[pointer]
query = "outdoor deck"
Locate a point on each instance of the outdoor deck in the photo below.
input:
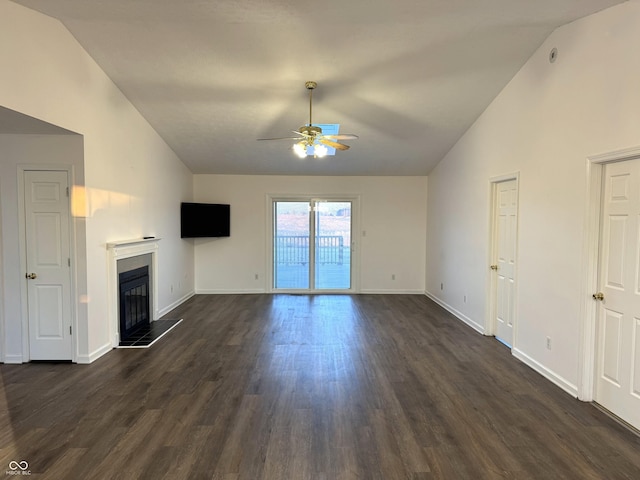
(291, 265)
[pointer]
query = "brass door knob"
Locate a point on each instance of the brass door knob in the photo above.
(598, 296)
(31, 276)
(494, 267)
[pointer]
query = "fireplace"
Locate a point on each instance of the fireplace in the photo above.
(134, 301)
(133, 294)
(126, 256)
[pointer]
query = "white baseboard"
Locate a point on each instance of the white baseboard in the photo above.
(229, 292)
(459, 315)
(13, 359)
(565, 385)
(373, 291)
(96, 354)
(262, 290)
(175, 304)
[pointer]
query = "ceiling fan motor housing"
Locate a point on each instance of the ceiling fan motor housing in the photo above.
(310, 130)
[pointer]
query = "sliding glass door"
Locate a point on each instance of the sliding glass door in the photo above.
(312, 245)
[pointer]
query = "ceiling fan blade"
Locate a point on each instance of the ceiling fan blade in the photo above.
(279, 138)
(336, 145)
(342, 136)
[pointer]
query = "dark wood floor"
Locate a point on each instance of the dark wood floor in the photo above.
(307, 387)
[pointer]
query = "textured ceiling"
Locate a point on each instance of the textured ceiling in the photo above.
(408, 76)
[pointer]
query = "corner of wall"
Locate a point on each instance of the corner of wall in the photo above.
(96, 354)
(459, 315)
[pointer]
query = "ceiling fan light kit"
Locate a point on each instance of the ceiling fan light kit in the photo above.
(310, 137)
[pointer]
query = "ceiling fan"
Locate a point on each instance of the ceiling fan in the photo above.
(310, 135)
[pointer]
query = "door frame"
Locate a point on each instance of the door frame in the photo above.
(2, 283)
(355, 228)
(590, 267)
(491, 326)
(26, 350)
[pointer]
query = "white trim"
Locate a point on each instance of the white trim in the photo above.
(520, 355)
(13, 359)
(132, 243)
(96, 354)
(505, 178)
(459, 315)
(126, 249)
(69, 169)
(564, 384)
(590, 261)
(3, 346)
(163, 311)
(373, 291)
(622, 155)
(220, 291)
(490, 312)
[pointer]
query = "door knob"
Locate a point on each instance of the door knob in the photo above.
(598, 296)
(494, 267)
(31, 276)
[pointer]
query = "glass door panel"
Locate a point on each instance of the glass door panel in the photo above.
(332, 262)
(291, 265)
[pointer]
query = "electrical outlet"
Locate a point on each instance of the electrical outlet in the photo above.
(393, 276)
(442, 286)
(257, 276)
(548, 343)
(465, 299)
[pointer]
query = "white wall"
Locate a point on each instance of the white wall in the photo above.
(134, 181)
(392, 212)
(544, 124)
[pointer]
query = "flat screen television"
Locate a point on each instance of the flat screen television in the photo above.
(199, 220)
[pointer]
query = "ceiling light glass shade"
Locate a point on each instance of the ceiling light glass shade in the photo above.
(300, 149)
(320, 150)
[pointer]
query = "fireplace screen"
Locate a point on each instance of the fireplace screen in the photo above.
(134, 300)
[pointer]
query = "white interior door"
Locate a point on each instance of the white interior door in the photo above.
(505, 241)
(48, 274)
(618, 329)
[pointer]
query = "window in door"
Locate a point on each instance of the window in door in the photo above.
(312, 245)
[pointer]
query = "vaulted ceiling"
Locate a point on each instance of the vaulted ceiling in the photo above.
(407, 76)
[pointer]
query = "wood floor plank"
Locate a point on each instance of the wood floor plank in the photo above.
(279, 387)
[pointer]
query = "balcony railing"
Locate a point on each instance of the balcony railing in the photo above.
(294, 250)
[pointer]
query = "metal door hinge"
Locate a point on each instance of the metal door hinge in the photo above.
(70, 330)
(67, 191)
(69, 262)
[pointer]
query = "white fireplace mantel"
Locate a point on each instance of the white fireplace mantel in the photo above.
(127, 249)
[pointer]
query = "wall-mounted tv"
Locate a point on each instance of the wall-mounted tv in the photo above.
(199, 220)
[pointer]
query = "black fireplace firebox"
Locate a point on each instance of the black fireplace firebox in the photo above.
(134, 301)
